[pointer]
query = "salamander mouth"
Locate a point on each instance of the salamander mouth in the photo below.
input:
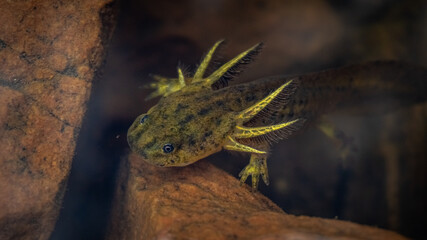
(177, 163)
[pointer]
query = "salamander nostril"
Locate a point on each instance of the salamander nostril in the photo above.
(143, 119)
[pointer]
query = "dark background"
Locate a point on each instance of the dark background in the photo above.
(381, 184)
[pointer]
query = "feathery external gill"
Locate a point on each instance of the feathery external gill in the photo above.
(198, 76)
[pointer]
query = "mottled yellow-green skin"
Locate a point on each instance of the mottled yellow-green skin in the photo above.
(198, 119)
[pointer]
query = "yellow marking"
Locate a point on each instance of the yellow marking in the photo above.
(198, 76)
(256, 108)
(181, 78)
(235, 146)
(224, 68)
(248, 132)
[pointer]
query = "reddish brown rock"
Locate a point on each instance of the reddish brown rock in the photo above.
(49, 52)
(203, 202)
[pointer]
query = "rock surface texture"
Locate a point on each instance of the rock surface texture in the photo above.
(49, 54)
(203, 202)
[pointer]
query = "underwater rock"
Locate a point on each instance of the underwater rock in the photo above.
(49, 53)
(201, 201)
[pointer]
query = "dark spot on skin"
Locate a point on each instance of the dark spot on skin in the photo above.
(178, 146)
(136, 136)
(179, 107)
(291, 114)
(207, 134)
(250, 98)
(186, 120)
(150, 144)
(218, 122)
(2, 44)
(192, 142)
(172, 161)
(219, 103)
(204, 111)
(201, 148)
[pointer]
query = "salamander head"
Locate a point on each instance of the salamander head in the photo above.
(194, 118)
(176, 134)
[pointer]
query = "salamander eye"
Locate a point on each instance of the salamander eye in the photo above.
(143, 119)
(168, 148)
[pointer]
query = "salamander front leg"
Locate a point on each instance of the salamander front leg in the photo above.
(257, 166)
